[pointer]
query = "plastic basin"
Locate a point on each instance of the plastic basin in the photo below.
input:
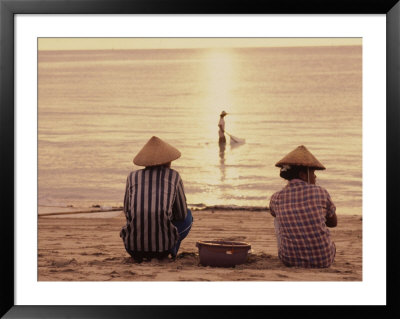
(222, 253)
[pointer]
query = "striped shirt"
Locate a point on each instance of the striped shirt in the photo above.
(154, 197)
(301, 210)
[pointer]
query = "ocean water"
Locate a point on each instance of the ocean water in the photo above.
(96, 109)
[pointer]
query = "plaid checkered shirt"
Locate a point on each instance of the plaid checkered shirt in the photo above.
(301, 210)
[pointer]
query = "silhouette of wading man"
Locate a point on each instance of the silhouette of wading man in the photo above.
(221, 125)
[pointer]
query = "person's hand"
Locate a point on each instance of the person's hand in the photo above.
(331, 221)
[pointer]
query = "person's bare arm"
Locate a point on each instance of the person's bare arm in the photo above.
(331, 221)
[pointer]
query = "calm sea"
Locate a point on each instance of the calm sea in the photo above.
(98, 108)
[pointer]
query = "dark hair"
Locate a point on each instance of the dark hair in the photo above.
(167, 165)
(292, 172)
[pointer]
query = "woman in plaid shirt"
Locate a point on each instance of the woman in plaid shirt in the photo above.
(303, 212)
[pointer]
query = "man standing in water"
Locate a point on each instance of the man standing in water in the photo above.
(302, 212)
(157, 217)
(221, 125)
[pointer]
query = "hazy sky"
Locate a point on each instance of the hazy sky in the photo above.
(169, 43)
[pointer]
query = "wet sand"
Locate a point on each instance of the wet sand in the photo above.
(90, 249)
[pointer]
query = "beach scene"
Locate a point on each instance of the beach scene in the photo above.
(101, 100)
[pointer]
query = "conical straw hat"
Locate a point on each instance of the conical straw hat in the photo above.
(301, 156)
(156, 152)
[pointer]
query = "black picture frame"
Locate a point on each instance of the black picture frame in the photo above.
(8, 10)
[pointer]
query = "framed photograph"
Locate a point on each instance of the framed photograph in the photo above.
(84, 83)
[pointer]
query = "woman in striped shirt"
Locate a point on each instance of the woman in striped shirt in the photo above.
(157, 217)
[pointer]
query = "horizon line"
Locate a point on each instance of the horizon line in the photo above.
(204, 48)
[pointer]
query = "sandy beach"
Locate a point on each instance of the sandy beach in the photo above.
(90, 249)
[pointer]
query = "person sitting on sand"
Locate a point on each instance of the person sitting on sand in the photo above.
(221, 125)
(157, 217)
(302, 212)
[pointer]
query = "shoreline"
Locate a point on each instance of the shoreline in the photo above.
(71, 210)
(90, 249)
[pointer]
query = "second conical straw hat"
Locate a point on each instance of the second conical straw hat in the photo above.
(156, 152)
(300, 156)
